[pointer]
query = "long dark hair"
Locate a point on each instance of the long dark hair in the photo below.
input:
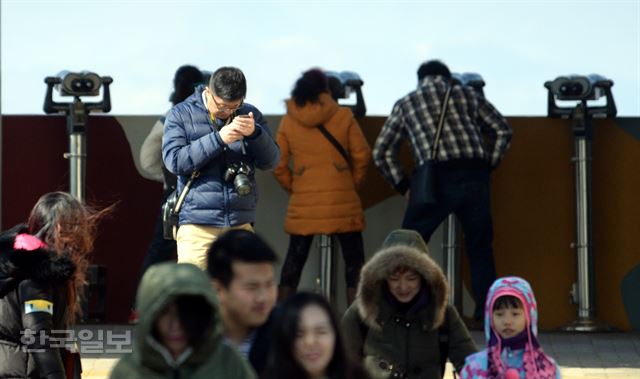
(282, 363)
(68, 227)
(309, 87)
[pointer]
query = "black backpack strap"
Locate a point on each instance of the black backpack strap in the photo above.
(443, 341)
(335, 143)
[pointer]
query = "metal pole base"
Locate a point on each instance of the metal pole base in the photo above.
(588, 326)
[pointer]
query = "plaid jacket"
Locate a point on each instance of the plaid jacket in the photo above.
(473, 129)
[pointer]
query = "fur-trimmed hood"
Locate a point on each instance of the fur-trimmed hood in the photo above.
(19, 263)
(370, 299)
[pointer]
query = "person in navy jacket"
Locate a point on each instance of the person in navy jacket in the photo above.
(223, 140)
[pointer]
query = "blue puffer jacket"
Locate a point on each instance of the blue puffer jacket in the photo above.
(191, 142)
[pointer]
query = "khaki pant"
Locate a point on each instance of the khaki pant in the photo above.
(194, 241)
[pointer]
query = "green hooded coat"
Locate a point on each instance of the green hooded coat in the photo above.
(212, 359)
(393, 344)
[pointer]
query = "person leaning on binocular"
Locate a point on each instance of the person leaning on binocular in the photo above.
(224, 139)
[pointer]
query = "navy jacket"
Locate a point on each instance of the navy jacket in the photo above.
(191, 142)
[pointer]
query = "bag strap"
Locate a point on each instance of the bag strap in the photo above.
(335, 143)
(443, 113)
(184, 192)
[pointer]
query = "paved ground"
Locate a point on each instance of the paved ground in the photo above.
(611, 355)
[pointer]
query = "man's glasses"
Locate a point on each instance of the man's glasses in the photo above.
(223, 107)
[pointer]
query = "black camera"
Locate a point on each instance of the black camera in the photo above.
(238, 174)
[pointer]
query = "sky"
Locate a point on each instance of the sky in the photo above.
(515, 45)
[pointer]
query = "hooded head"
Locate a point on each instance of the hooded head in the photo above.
(402, 249)
(406, 237)
(184, 291)
(518, 288)
(535, 363)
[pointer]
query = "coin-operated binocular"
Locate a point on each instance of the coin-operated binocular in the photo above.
(342, 85)
(77, 85)
(581, 90)
(471, 79)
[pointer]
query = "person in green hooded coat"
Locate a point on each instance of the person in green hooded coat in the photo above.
(179, 333)
(401, 324)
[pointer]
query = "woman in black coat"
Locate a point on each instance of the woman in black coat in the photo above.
(42, 272)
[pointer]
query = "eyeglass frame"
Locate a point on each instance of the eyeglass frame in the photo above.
(220, 108)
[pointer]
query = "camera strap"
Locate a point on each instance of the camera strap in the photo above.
(184, 192)
(335, 143)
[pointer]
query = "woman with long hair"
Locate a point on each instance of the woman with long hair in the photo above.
(308, 342)
(322, 180)
(43, 266)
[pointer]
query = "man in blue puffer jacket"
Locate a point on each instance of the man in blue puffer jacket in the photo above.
(215, 133)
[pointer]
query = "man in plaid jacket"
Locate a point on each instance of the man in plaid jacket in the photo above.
(474, 139)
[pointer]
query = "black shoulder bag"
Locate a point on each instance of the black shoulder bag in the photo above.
(335, 143)
(171, 209)
(423, 181)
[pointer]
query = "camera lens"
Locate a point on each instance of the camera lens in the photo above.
(242, 184)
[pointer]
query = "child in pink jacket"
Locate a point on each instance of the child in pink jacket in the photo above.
(511, 329)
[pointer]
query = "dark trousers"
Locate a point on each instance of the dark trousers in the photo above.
(160, 249)
(352, 252)
(466, 193)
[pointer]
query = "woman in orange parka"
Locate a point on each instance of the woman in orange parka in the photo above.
(321, 183)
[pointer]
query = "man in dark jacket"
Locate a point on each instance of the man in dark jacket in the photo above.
(218, 140)
(240, 264)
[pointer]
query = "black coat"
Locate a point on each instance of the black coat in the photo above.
(33, 302)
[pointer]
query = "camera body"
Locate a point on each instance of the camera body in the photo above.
(238, 174)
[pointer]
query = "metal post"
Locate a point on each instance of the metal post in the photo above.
(77, 156)
(583, 292)
(325, 265)
(584, 245)
(450, 248)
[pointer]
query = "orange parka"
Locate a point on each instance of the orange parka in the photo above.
(323, 189)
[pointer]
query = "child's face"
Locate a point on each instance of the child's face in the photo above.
(509, 321)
